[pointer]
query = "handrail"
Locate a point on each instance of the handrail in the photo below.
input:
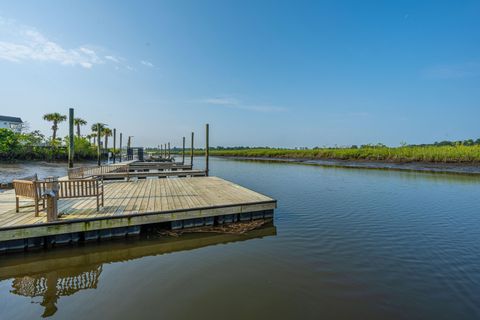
(91, 171)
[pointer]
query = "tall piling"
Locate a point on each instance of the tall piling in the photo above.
(207, 147)
(183, 150)
(191, 151)
(114, 144)
(99, 160)
(71, 141)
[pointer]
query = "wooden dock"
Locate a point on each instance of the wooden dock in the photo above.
(181, 202)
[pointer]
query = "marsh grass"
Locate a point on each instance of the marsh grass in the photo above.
(445, 154)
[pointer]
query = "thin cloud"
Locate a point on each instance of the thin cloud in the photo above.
(229, 102)
(113, 59)
(147, 63)
(22, 43)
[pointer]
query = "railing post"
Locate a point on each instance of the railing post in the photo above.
(191, 151)
(169, 150)
(206, 149)
(183, 151)
(71, 143)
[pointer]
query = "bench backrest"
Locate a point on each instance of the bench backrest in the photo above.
(67, 188)
(26, 188)
(74, 188)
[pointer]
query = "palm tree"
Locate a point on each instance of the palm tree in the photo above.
(107, 132)
(56, 118)
(79, 122)
(95, 128)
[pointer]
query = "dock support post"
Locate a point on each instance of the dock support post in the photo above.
(169, 150)
(183, 151)
(206, 148)
(121, 136)
(71, 143)
(114, 144)
(191, 152)
(98, 145)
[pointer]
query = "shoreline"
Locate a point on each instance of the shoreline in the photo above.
(429, 167)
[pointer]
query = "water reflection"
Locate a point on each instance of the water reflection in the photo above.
(62, 272)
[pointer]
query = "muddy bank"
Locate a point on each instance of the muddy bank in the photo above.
(454, 168)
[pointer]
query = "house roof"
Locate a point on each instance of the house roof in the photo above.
(11, 119)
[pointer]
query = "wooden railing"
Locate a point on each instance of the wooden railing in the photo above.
(92, 171)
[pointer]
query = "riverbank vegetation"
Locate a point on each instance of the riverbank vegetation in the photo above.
(467, 151)
(34, 145)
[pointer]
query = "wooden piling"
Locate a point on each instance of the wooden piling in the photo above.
(191, 151)
(207, 147)
(121, 136)
(114, 144)
(71, 143)
(183, 150)
(98, 145)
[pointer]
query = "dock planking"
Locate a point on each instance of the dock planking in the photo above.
(134, 203)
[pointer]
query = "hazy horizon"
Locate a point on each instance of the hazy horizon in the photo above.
(275, 73)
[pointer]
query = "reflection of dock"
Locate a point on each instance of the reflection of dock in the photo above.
(54, 274)
(181, 202)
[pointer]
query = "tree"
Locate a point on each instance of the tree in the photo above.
(8, 141)
(95, 128)
(79, 122)
(56, 118)
(107, 132)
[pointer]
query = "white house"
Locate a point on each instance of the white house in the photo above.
(12, 123)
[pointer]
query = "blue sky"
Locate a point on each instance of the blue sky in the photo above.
(277, 73)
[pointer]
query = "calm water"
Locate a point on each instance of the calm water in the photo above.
(10, 171)
(346, 244)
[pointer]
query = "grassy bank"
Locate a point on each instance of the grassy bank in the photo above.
(439, 154)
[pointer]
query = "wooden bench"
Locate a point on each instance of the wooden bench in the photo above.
(27, 188)
(34, 189)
